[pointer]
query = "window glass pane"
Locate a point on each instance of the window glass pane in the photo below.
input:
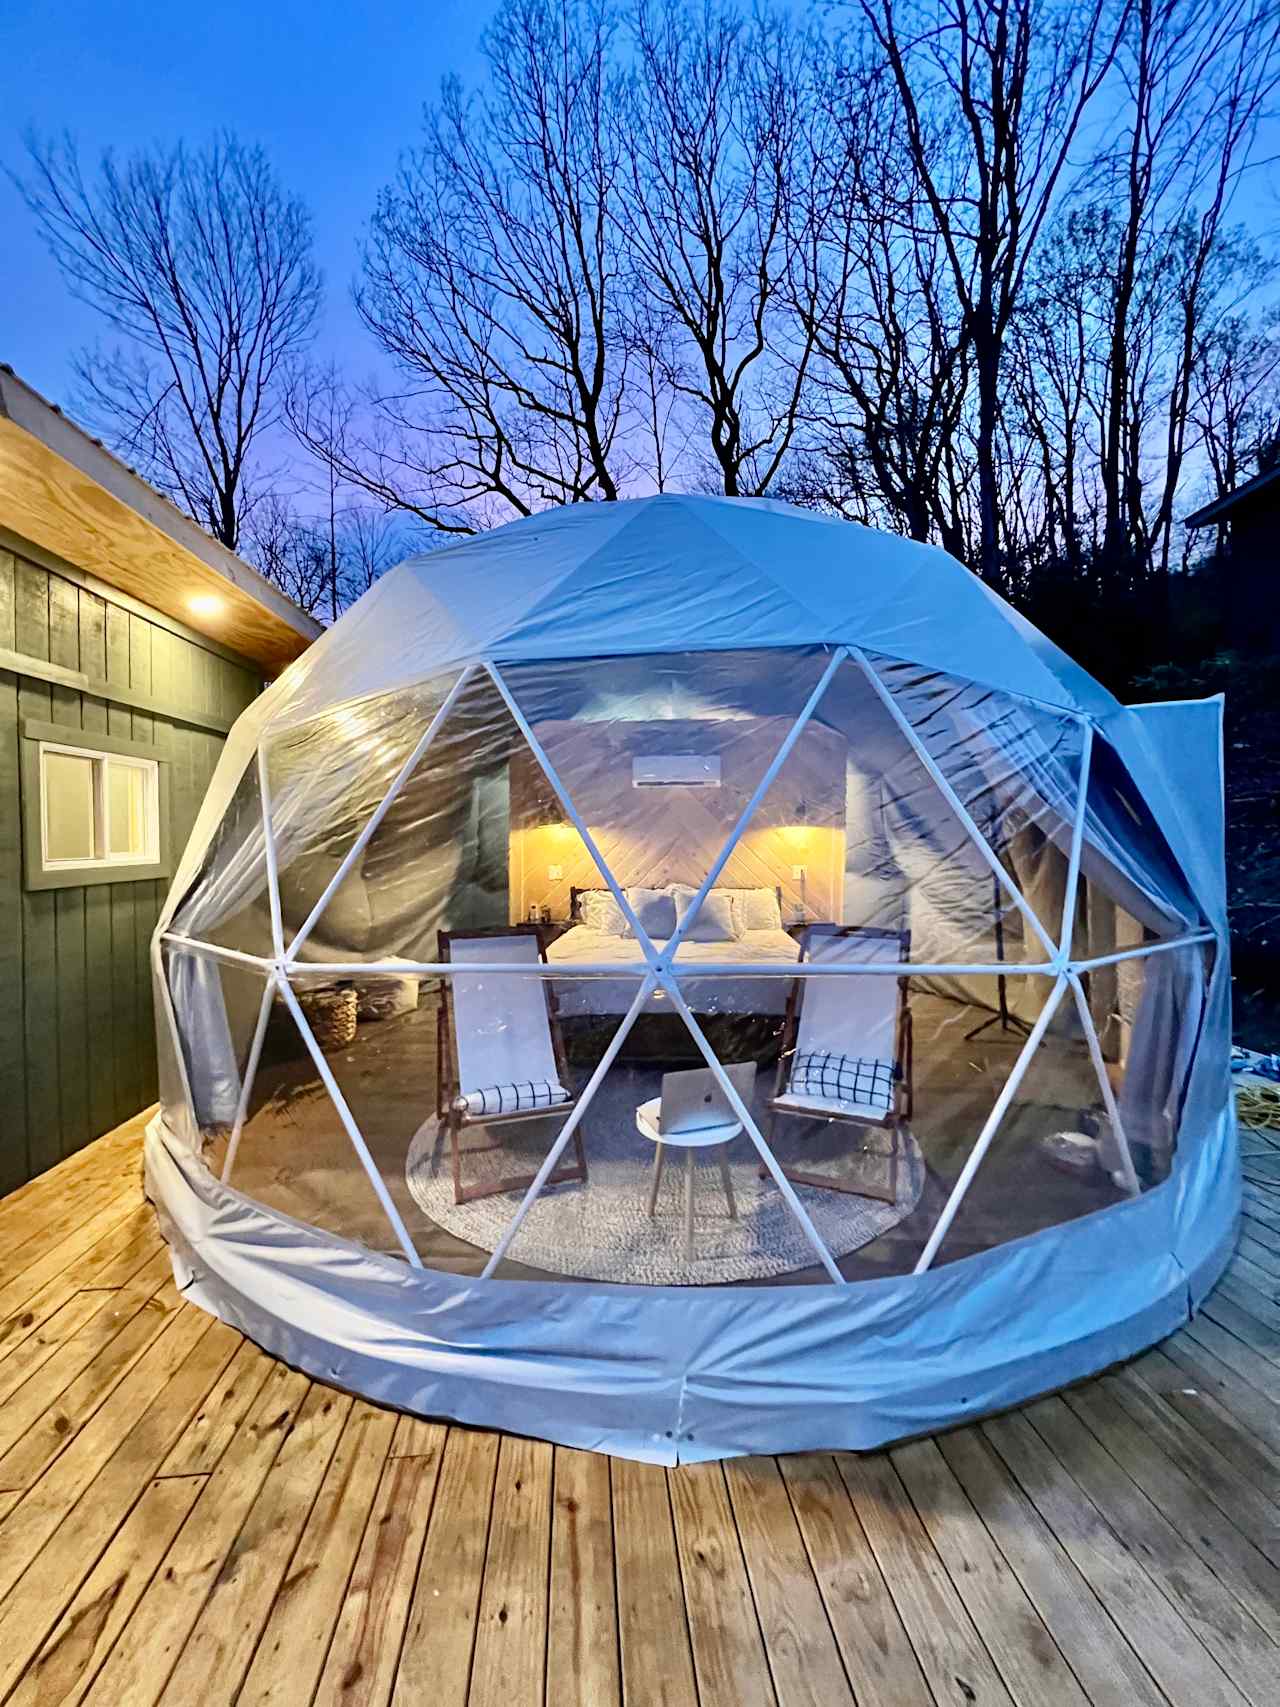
(127, 810)
(68, 806)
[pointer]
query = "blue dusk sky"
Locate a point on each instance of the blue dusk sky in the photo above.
(331, 91)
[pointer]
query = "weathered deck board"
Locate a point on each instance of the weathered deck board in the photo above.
(435, 1660)
(91, 1625)
(657, 1663)
(951, 1652)
(801, 1649)
(582, 1634)
(183, 1520)
(364, 1654)
(1033, 1667)
(294, 1642)
(728, 1647)
(878, 1657)
(221, 1645)
(139, 1664)
(1108, 1669)
(509, 1663)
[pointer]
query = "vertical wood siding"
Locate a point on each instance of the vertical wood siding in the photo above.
(77, 1039)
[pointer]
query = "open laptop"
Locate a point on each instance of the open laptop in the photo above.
(694, 1100)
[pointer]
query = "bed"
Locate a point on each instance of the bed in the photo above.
(742, 1016)
(579, 946)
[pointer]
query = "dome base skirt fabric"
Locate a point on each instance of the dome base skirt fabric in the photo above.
(684, 1374)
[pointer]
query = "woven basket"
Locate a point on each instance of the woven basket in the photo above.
(331, 1013)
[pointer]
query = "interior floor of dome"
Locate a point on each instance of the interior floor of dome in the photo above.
(296, 1157)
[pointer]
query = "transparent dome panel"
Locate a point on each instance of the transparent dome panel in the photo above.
(875, 1086)
(294, 1152)
(1017, 768)
(1047, 1157)
(823, 1064)
(871, 1087)
(674, 1194)
(1131, 891)
(444, 855)
(458, 1087)
(327, 778)
(1147, 1014)
(1090, 1112)
(228, 903)
(660, 756)
(217, 1008)
(855, 830)
(1009, 774)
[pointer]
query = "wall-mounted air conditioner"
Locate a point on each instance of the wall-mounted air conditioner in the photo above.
(681, 770)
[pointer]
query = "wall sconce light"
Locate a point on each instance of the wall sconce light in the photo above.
(797, 834)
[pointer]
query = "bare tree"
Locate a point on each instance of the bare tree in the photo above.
(292, 552)
(491, 279)
(992, 95)
(1235, 399)
(320, 408)
(323, 564)
(1198, 77)
(711, 130)
(888, 389)
(1056, 346)
(1148, 279)
(201, 264)
(370, 542)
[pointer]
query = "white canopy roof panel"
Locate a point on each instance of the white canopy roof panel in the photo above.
(681, 573)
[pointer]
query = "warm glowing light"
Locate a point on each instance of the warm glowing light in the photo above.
(206, 604)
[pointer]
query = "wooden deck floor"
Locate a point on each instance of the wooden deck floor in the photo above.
(183, 1520)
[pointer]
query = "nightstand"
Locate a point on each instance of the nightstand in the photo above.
(555, 929)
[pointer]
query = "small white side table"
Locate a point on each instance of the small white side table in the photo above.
(647, 1118)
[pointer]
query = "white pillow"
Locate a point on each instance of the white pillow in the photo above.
(715, 921)
(656, 911)
(685, 892)
(758, 909)
(598, 911)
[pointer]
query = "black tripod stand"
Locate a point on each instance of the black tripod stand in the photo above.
(1001, 1017)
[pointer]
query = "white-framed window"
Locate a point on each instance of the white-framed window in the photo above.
(97, 809)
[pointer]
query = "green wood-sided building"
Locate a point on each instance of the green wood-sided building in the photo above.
(129, 643)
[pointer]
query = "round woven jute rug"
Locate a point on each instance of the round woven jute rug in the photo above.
(601, 1230)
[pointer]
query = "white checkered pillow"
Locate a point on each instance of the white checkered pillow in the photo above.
(848, 1079)
(512, 1099)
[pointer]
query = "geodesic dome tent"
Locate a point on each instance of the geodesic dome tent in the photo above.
(555, 818)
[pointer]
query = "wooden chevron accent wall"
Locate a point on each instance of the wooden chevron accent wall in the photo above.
(671, 834)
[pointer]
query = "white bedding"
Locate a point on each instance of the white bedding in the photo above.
(721, 995)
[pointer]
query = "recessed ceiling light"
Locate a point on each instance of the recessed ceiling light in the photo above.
(206, 604)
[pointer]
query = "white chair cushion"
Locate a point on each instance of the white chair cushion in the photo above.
(852, 1082)
(512, 1099)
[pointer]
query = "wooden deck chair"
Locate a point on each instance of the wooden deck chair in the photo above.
(846, 1048)
(501, 1056)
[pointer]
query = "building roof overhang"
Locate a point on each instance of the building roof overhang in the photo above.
(66, 494)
